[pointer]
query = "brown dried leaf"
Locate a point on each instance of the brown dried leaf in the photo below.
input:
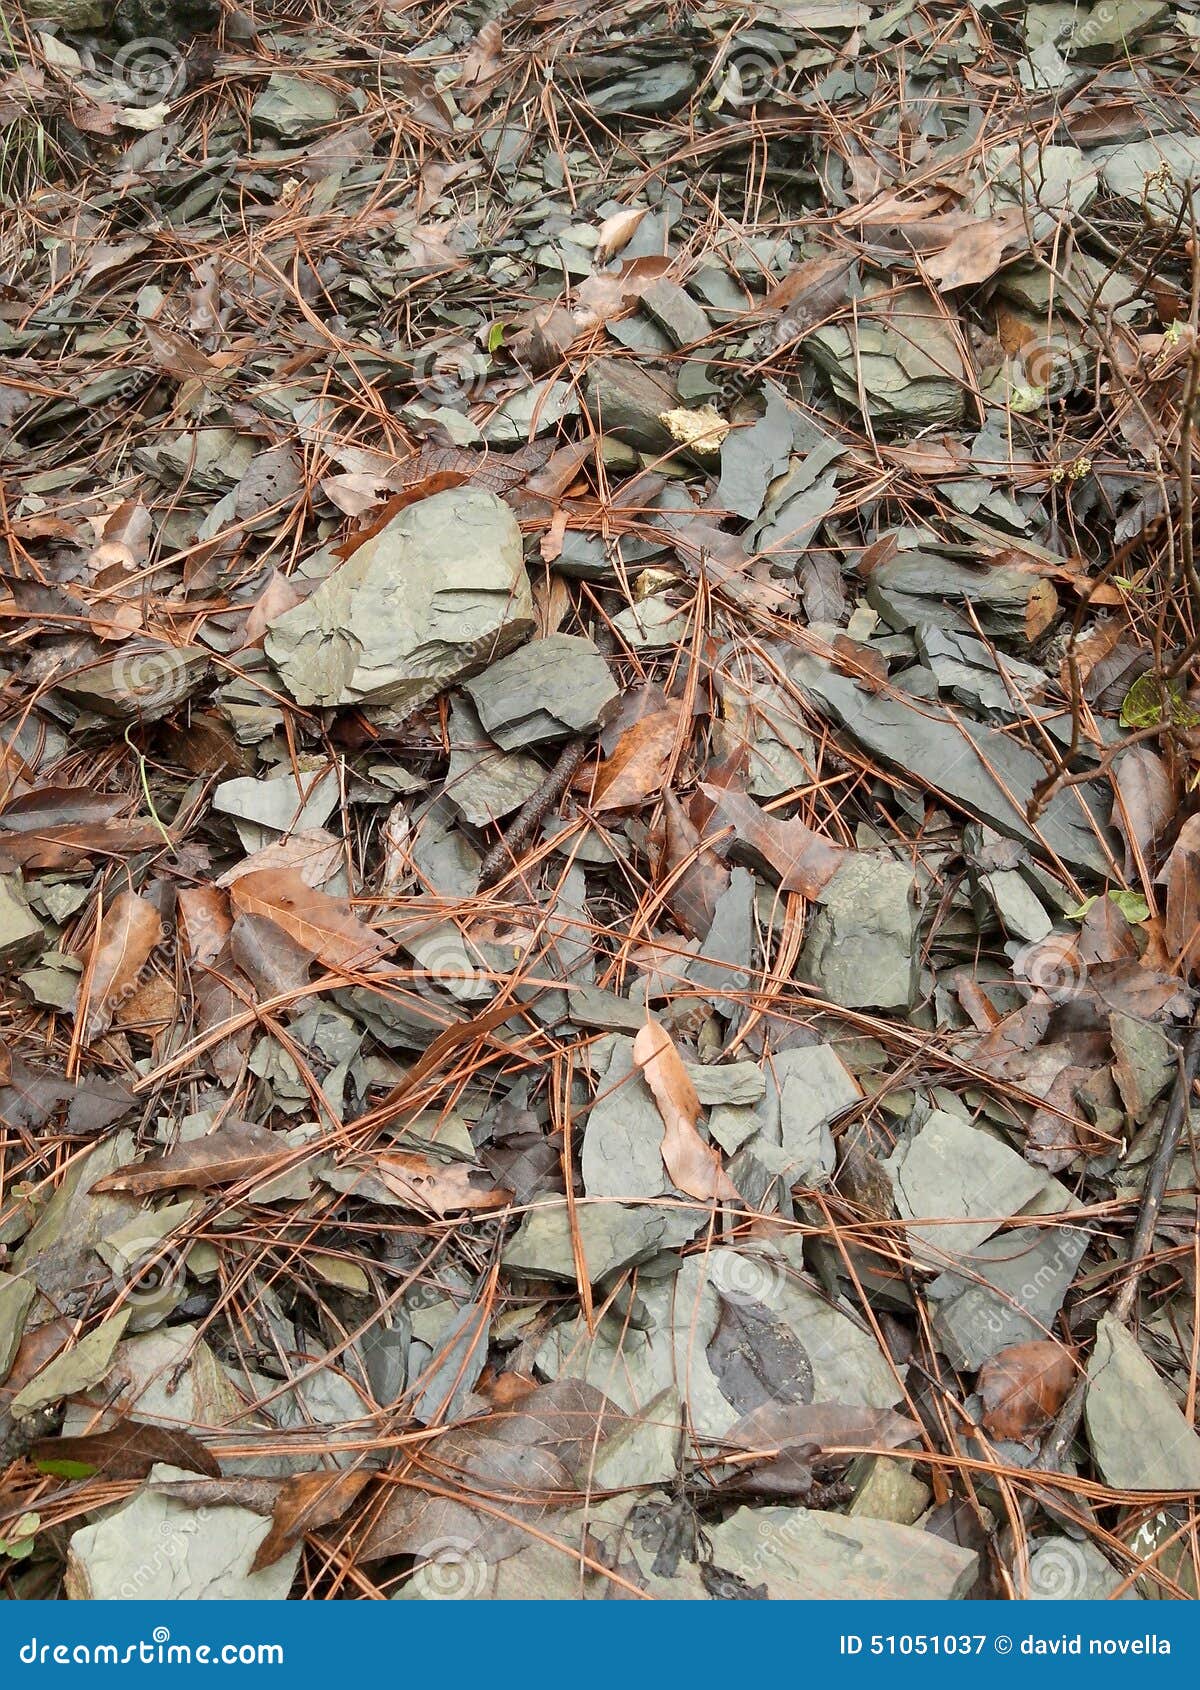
(802, 860)
(443, 1188)
(129, 1450)
(701, 876)
(1182, 877)
(617, 231)
(235, 1151)
(325, 927)
(972, 255)
(1023, 1387)
(1145, 803)
(306, 1502)
(129, 931)
(693, 1165)
(641, 758)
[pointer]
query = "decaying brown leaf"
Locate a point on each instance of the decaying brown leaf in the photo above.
(128, 1450)
(801, 860)
(640, 759)
(439, 1188)
(234, 1151)
(694, 1166)
(307, 1502)
(325, 927)
(129, 932)
(1023, 1388)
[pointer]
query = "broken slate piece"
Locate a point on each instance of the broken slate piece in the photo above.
(154, 1548)
(292, 108)
(1140, 1438)
(74, 1370)
(549, 689)
(483, 782)
(805, 1555)
(1063, 1569)
(1009, 1292)
(613, 1236)
(675, 311)
(861, 948)
(629, 403)
(437, 594)
(15, 1297)
(281, 803)
(913, 590)
(622, 1141)
(21, 933)
(980, 768)
(724, 963)
(960, 1179)
(814, 1089)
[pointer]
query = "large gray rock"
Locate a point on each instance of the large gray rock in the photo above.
(862, 939)
(436, 595)
(1140, 1437)
(156, 1548)
(550, 689)
(804, 1555)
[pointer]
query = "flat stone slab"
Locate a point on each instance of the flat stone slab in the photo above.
(550, 689)
(436, 595)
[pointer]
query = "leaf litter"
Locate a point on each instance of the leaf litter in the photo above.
(598, 868)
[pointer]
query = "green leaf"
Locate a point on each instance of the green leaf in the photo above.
(1131, 905)
(495, 336)
(66, 1469)
(20, 1544)
(1143, 705)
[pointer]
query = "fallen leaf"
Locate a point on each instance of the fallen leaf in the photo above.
(443, 1188)
(306, 1502)
(617, 231)
(1023, 1387)
(127, 1450)
(234, 1151)
(693, 1165)
(130, 930)
(325, 927)
(697, 875)
(973, 255)
(802, 860)
(1145, 803)
(634, 774)
(1182, 877)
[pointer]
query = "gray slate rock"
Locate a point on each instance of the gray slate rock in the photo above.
(627, 402)
(1140, 1437)
(952, 755)
(622, 1141)
(292, 108)
(861, 948)
(1009, 1292)
(21, 933)
(613, 1235)
(805, 1555)
(155, 1549)
(483, 782)
(549, 689)
(814, 1088)
(437, 595)
(1063, 1570)
(962, 1180)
